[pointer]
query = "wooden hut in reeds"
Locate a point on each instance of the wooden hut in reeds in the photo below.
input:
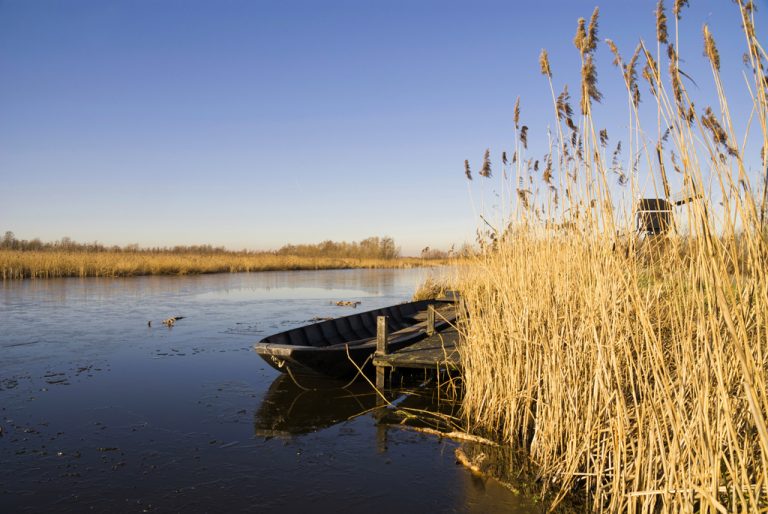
(654, 216)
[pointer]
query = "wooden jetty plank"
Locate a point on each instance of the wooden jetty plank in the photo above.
(435, 352)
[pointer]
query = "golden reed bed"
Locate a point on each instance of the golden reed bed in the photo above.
(634, 372)
(51, 264)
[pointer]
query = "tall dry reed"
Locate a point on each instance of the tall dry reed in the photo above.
(632, 369)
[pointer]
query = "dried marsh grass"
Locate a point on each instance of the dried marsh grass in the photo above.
(51, 264)
(633, 371)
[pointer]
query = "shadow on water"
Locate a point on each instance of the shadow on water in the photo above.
(299, 405)
(296, 405)
(307, 404)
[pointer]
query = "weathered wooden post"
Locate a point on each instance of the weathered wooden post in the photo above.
(382, 339)
(430, 320)
(461, 311)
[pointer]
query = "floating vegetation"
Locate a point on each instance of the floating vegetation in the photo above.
(347, 303)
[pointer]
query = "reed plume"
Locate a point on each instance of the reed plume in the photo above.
(651, 74)
(467, 171)
(603, 134)
(690, 114)
(719, 136)
(522, 195)
(710, 49)
(675, 165)
(591, 39)
(678, 7)
(589, 90)
(674, 77)
(485, 171)
(630, 76)
(563, 107)
(614, 51)
(580, 39)
(661, 23)
(748, 25)
(544, 63)
(615, 165)
(517, 112)
(547, 175)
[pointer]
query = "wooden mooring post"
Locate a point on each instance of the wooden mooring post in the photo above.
(382, 339)
(430, 320)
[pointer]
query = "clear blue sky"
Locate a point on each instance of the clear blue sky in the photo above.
(251, 124)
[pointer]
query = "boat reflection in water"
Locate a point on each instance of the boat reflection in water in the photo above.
(292, 409)
(307, 404)
(295, 405)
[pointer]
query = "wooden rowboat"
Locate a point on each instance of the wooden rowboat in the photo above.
(326, 348)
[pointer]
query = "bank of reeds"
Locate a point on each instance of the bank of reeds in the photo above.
(52, 264)
(632, 369)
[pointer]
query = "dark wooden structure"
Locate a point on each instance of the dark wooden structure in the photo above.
(337, 347)
(436, 352)
(654, 216)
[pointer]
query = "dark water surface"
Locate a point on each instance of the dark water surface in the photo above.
(101, 412)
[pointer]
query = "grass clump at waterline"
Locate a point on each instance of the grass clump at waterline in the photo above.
(633, 371)
(432, 288)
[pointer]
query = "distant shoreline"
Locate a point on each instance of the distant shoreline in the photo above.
(18, 265)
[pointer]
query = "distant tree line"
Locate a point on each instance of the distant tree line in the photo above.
(10, 242)
(370, 248)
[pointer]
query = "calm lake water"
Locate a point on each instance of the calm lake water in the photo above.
(101, 412)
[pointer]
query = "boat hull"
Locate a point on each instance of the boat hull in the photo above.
(339, 347)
